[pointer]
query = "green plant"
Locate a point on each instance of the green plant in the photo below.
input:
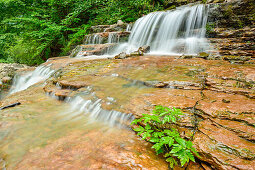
(210, 27)
(166, 141)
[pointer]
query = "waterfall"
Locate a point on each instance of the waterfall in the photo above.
(113, 37)
(94, 39)
(22, 82)
(94, 111)
(180, 31)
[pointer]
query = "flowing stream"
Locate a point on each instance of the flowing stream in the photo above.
(22, 82)
(94, 136)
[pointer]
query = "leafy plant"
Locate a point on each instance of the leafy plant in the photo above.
(166, 141)
(31, 31)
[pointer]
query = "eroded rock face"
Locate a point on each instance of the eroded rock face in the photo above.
(86, 50)
(107, 37)
(231, 29)
(8, 71)
(216, 96)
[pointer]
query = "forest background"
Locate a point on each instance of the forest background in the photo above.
(31, 31)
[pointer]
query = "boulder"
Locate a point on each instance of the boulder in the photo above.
(144, 49)
(122, 55)
(120, 22)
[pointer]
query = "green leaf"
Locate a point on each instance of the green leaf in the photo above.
(170, 142)
(154, 140)
(189, 144)
(161, 150)
(157, 134)
(167, 140)
(181, 141)
(191, 156)
(146, 135)
(157, 146)
(147, 127)
(167, 154)
(155, 118)
(171, 161)
(164, 113)
(136, 121)
(195, 152)
(139, 129)
(176, 148)
(183, 161)
(166, 119)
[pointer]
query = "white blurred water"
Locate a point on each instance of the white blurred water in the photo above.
(180, 31)
(22, 82)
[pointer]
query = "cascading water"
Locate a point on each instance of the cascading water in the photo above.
(93, 39)
(180, 31)
(91, 106)
(22, 82)
(95, 112)
(113, 38)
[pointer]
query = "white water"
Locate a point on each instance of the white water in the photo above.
(113, 37)
(176, 32)
(92, 109)
(94, 39)
(129, 27)
(95, 112)
(180, 31)
(22, 82)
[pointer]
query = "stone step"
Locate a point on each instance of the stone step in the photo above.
(232, 33)
(95, 49)
(107, 37)
(237, 52)
(120, 26)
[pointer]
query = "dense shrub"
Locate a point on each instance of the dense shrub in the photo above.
(31, 31)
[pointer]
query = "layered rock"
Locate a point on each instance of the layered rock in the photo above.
(8, 71)
(106, 37)
(87, 50)
(120, 26)
(216, 96)
(231, 28)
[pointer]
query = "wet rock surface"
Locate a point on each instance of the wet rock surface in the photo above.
(231, 29)
(215, 91)
(216, 96)
(8, 71)
(87, 50)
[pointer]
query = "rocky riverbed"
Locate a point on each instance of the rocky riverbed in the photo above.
(215, 90)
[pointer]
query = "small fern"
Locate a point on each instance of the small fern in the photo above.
(166, 141)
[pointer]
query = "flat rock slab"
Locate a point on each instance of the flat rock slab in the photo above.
(215, 95)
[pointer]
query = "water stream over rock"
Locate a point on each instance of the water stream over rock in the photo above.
(180, 31)
(22, 82)
(82, 122)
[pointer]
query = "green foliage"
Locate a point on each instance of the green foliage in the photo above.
(204, 1)
(166, 141)
(210, 27)
(31, 31)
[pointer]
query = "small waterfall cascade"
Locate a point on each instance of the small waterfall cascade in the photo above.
(180, 31)
(22, 82)
(113, 37)
(129, 27)
(94, 39)
(86, 103)
(95, 112)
